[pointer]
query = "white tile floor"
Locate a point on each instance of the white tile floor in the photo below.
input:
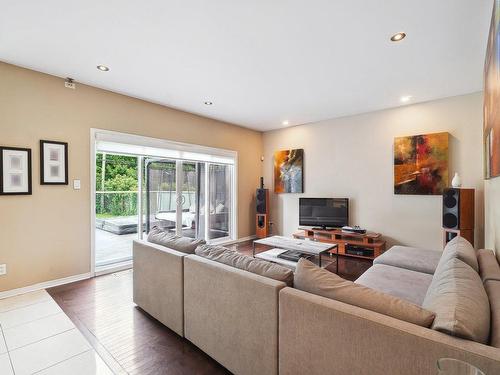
(36, 337)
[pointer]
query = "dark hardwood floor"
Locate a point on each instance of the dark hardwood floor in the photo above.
(131, 341)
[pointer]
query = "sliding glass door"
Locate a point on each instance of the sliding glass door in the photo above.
(177, 198)
(142, 182)
(161, 194)
(116, 211)
(219, 181)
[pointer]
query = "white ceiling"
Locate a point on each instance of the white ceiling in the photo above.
(261, 61)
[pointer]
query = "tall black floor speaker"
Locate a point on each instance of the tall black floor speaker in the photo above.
(458, 214)
(262, 209)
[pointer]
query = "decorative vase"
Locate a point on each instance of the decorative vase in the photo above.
(456, 182)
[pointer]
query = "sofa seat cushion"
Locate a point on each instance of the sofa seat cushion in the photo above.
(489, 269)
(316, 280)
(162, 237)
(493, 291)
(460, 302)
(411, 258)
(244, 262)
(398, 282)
(462, 249)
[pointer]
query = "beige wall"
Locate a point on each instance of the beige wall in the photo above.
(352, 157)
(492, 214)
(46, 236)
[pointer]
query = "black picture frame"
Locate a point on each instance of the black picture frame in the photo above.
(42, 162)
(30, 182)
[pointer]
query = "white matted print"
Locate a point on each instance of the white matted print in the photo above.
(15, 171)
(53, 163)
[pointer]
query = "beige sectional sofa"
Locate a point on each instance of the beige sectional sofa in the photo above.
(252, 324)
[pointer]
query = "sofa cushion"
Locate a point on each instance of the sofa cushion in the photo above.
(411, 258)
(244, 262)
(398, 282)
(316, 280)
(488, 265)
(493, 291)
(458, 298)
(162, 237)
(461, 249)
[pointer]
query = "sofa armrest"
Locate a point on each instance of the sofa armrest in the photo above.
(159, 283)
(318, 335)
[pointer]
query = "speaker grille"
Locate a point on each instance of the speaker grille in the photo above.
(450, 221)
(450, 201)
(261, 204)
(261, 194)
(451, 218)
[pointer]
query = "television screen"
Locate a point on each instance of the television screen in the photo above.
(324, 212)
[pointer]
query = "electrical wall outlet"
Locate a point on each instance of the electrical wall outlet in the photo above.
(3, 269)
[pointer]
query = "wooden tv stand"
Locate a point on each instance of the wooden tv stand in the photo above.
(370, 241)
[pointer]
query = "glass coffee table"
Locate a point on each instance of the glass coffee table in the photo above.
(282, 244)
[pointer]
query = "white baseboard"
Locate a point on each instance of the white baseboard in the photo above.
(45, 285)
(242, 239)
(100, 271)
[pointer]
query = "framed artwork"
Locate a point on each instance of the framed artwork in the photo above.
(53, 163)
(492, 98)
(421, 164)
(15, 171)
(288, 171)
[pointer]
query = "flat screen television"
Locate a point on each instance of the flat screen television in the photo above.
(324, 212)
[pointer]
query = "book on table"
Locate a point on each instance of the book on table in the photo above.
(294, 255)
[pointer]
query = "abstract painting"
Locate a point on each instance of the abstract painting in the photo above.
(288, 171)
(421, 164)
(15, 171)
(492, 98)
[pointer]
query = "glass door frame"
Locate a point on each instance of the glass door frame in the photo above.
(170, 148)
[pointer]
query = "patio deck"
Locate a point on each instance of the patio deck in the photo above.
(114, 248)
(111, 248)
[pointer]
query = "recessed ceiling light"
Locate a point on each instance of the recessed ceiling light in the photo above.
(285, 122)
(103, 68)
(208, 102)
(398, 37)
(405, 99)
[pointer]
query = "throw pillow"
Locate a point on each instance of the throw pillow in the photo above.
(461, 249)
(246, 263)
(458, 298)
(162, 237)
